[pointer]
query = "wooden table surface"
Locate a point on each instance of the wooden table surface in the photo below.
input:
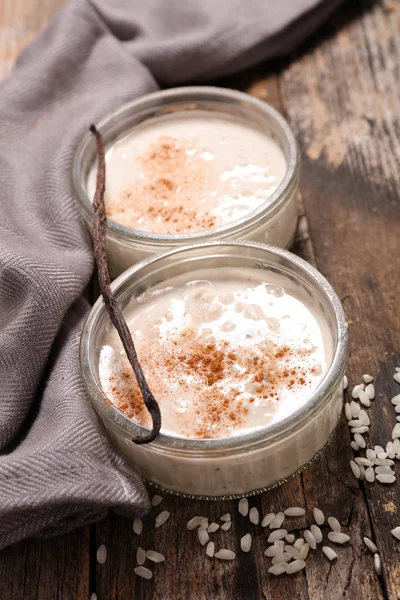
(341, 95)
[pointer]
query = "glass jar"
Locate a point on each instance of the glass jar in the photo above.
(273, 222)
(241, 464)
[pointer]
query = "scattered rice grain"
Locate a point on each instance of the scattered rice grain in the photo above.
(337, 537)
(244, 507)
(382, 455)
(143, 572)
(319, 516)
(396, 533)
(267, 520)
(355, 409)
(364, 417)
(355, 468)
(386, 478)
(365, 399)
(284, 557)
(371, 454)
(137, 526)
(329, 553)
(294, 553)
(277, 521)
(162, 518)
(347, 411)
(290, 538)
(367, 378)
(254, 516)
(355, 423)
(384, 462)
(358, 438)
(273, 550)
(370, 391)
(278, 569)
(355, 446)
(304, 550)
(101, 554)
(384, 470)
(377, 564)
(154, 556)
(360, 460)
(210, 549)
(317, 533)
(334, 524)
(370, 545)
(294, 511)
(370, 474)
(390, 450)
(356, 390)
(245, 542)
(203, 536)
(195, 522)
(226, 517)
(295, 566)
(299, 543)
(156, 500)
(396, 399)
(140, 556)
(213, 527)
(345, 382)
(225, 554)
(310, 539)
(396, 377)
(276, 535)
(226, 526)
(362, 429)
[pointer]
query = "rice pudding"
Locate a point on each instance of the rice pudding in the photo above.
(188, 172)
(225, 351)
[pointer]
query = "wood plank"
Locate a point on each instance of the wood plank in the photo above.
(343, 102)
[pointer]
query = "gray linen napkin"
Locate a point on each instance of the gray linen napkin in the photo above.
(57, 469)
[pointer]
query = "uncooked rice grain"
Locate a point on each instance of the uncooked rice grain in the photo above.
(362, 471)
(294, 553)
(396, 446)
(358, 438)
(290, 538)
(370, 474)
(360, 460)
(345, 382)
(355, 409)
(155, 556)
(364, 417)
(195, 522)
(384, 471)
(371, 454)
(254, 516)
(225, 554)
(396, 533)
(267, 520)
(280, 543)
(356, 390)
(93, 596)
(355, 446)
(396, 399)
(370, 544)
(367, 378)
(355, 468)
(334, 524)
(244, 507)
(278, 569)
(396, 432)
(384, 462)
(304, 550)
(364, 399)
(386, 478)
(245, 542)
(137, 526)
(299, 543)
(396, 377)
(382, 455)
(143, 572)
(156, 500)
(319, 516)
(140, 556)
(294, 511)
(210, 549)
(203, 536)
(347, 411)
(101, 554)
(273, 550)
(278, 520)
(226, 526)
(310, 539)
(276, 535)
(296, 565)
(337, 537)
(162, 518)
(362, 429)
(329, 552)
(355, 423)
(377, 564)
(226, 517)
(370, 391)
(390, 450)
(317, 533)
(281, 558)
(378, 449)
(213, 527)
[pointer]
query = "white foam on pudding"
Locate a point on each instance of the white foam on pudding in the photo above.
(189, 171)
(225, 351)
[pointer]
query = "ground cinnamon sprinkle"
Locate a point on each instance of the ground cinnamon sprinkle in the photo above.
(210, 376)
(169, 198)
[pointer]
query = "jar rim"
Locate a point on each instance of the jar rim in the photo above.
(286, 426)
(190, 94)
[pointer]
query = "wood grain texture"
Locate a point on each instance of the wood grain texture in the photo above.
(340, 94)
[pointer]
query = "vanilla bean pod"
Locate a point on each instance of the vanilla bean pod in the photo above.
(115, 313)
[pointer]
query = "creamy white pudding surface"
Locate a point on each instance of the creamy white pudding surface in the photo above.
(188, 172)
(224, 351)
